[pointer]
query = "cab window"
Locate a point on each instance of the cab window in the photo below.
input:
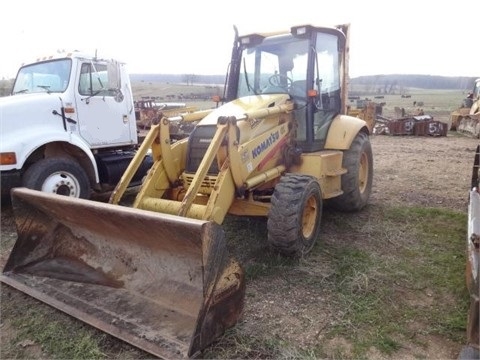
(327, 79)
(94, 80)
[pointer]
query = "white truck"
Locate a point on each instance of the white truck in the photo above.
(69, 126)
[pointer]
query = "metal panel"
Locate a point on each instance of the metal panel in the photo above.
(430, 128)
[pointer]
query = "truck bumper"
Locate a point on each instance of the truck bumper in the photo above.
(9, 180)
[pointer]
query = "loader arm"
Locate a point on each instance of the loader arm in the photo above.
(169, 188)
(134, 165)
(160, 134)
(203, 168)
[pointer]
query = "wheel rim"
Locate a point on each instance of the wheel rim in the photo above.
(309, 218)
(62, 183)
(363, 173)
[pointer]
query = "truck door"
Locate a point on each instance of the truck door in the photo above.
(104, 112)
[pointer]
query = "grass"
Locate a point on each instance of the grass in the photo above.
(33, 330)
(428, 262)
(406, 282)
(402, 279)
(38, 325)
(258, 260)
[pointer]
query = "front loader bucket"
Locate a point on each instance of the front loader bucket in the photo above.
(162, 283)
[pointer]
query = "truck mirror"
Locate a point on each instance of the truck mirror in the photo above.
(113, 75)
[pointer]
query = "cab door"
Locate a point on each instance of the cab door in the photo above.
(104, 112)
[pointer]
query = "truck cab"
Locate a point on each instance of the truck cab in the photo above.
(68, 126)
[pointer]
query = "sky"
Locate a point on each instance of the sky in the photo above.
(196, 36)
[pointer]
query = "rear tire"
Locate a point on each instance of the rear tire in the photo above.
(357, 182)
(295, 214)
(59, 175)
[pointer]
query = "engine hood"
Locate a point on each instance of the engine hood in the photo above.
(239, 107)
(22, 110)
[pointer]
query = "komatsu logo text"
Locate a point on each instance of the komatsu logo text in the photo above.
(265, 144)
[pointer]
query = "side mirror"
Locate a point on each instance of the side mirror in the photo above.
(113, 71)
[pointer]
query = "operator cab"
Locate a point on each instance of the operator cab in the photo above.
(306, 64)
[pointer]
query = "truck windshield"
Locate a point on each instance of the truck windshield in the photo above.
(47, 76)
(277, 65)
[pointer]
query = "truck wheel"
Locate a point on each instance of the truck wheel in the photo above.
(61, 176)
(295, 213)
(357, 182)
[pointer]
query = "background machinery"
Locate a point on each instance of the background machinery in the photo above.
(471, 350)
(466, 119)
(157, 273)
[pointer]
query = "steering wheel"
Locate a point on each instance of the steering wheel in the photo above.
(276, 80)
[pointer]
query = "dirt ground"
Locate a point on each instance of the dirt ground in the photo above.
(424, 171)
(408, 171)
(429, 171)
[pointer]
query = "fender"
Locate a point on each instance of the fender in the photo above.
(343, 130)
(37, 137)
(34, 125)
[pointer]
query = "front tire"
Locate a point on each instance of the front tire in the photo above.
(295, 214)
(357, 182)
(61, 176)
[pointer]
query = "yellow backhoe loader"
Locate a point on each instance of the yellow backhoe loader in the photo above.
(466, 119)
(157, 273)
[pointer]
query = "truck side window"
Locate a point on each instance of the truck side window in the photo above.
(94, 80)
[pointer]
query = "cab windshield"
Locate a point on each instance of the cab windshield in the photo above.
(47, 76)
(294, 66)
(277, 65)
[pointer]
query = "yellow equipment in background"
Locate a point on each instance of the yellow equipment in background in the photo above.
(466, 119)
